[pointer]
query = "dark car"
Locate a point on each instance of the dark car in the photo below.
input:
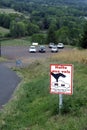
(42, 49)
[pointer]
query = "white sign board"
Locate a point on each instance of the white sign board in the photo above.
(61, 76)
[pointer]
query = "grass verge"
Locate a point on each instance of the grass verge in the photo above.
(34, 108)
(2, 59)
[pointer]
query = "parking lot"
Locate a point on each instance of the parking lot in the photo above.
(14, 53)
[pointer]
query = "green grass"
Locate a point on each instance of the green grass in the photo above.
(3, 31)
(2, 59)
(8, 10)
(12, 11)
(34, 108)
(16, 42)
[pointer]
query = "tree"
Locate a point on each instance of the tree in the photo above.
(83, 40)
(40, 38)
(46, 23)
(51, 36)
(32, 28)
(62, 35)
(4, 20)
(17, 29)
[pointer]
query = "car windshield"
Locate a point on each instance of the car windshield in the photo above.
(51, 43)
(60, 43)
(42, 47)
(32, 47)
(54, 47)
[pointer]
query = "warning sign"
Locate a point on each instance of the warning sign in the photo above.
(61, 76)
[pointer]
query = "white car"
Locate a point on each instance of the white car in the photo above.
(54, 49)
(51, 45)
(60, 45)
(32, 49)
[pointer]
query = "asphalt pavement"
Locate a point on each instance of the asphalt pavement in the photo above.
(8, 82)
(8, 78)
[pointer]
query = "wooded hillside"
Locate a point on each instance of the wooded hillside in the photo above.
(66, 18)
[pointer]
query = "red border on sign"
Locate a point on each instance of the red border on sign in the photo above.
(71, 85)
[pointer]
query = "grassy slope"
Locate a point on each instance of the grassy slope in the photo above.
(34, 108)
(3, 31)
(8, 10)
(15, 42)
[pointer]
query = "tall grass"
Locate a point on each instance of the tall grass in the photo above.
(34, 108)
(73, 55)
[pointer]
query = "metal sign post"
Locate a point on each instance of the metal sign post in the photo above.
(60, 102)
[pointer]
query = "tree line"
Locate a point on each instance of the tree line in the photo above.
(46, 23)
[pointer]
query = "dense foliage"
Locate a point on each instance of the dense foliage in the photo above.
(83, 40)
(37, 16)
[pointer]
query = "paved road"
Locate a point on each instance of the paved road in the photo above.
(8, 79)
(8, 82)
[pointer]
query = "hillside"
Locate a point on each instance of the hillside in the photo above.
(11, 3)
(37, 16)
(3, 31)
(32, 107)
(53, 1)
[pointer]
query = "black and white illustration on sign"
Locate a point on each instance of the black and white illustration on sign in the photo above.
(61, 79)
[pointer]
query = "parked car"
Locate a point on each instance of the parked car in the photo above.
(42, 49)
(54, 49)
(35, 44)
(51, 45)
(32, 49)
(60, 45)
